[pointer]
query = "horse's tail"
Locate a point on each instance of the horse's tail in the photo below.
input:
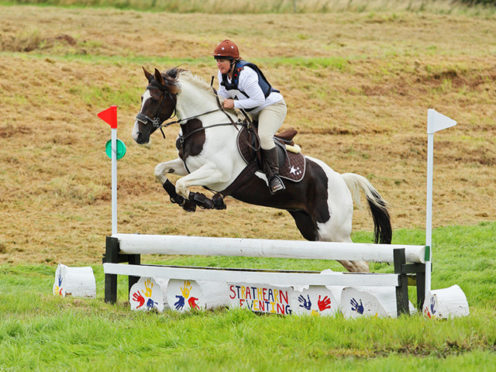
(377, 205)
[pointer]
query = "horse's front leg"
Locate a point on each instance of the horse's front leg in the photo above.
(175, 166)
(207, 175)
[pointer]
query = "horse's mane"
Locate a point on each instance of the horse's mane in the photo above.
(172, 76)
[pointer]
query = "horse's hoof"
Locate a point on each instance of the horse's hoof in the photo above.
(178, 199)
(219, 202)
(189, 206)
(201, 200)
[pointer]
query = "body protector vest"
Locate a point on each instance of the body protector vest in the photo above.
(262, 80)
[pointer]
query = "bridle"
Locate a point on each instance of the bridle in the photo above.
(155, 121)
(158, 123)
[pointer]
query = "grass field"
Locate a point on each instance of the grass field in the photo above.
(358, 85)
(40, 331)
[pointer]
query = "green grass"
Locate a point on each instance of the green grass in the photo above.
(276, 6)
(41, 331)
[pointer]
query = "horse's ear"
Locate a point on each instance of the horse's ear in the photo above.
(148, 75)
(159, 78)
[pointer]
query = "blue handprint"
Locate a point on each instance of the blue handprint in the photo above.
(433, 305)
(180, 302)
(150, 304)
(355, 306)
(304, 303)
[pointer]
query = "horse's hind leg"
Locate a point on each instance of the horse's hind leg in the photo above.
(316, 231)
(338, 229)
(338, 226)
(306, 224)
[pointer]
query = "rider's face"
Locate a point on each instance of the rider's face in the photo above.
(223, 65)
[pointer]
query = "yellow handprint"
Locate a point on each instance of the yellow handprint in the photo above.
(148, 286)
(186, 289)
(315, 313)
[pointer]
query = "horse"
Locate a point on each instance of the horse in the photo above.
(321, 203)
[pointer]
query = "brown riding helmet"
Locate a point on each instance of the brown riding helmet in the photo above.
(226, 49)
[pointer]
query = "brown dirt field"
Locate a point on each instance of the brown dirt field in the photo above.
(358, 87)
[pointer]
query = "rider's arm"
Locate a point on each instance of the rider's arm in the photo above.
(248, 83)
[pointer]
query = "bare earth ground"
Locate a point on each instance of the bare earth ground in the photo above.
(358, 87)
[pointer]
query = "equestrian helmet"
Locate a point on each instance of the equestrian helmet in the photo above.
(226, 49)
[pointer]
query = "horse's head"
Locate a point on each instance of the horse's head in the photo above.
(157, 104)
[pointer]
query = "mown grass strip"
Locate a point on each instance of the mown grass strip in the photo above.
(480, 7)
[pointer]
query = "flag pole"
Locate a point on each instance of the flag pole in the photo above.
(114, 180)
(110, 117)
(435, 123)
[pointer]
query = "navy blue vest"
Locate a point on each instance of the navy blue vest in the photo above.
(262, 80)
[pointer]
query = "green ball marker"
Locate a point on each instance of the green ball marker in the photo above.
(121, 149)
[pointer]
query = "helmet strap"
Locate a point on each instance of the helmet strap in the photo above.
(232, 65)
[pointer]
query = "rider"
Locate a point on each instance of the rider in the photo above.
(243, 86)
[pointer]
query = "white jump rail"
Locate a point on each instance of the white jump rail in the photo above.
(252, 276)
(208, 246)
(130, 247)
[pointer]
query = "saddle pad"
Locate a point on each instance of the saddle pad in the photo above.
(294, 165)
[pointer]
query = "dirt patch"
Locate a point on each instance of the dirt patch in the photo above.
(35, 41)
(11, 131)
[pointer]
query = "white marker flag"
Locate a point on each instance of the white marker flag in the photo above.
(437, 121)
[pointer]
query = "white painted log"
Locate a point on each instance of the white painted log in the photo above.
(314, 300)
(357, 302)
(74, 281)
(335, 290)
(260, 298)
(207, 246)
(186, 295)
(149, 294)
(446, 303)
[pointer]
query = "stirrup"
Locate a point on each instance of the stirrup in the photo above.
(276, 184)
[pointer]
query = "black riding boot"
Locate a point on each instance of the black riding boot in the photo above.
(271, 169)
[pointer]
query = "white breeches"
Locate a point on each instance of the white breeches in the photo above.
(270, 119)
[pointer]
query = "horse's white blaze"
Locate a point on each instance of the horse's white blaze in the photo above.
(146, 96)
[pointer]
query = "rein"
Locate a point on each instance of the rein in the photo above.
(158, 123)
(182, 139)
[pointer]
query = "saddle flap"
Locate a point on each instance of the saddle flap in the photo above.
(291, 166)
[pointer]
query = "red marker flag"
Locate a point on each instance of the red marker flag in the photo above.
(109, 116)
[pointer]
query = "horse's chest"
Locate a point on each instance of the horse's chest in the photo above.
(191, 142)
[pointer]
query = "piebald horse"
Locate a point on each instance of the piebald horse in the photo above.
(321, 203)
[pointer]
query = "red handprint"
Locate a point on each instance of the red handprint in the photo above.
(139, 298)
(325, 303)
(192, 303)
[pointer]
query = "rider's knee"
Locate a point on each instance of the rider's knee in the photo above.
(267, 142)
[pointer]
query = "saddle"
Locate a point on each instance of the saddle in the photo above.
(291, 165)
